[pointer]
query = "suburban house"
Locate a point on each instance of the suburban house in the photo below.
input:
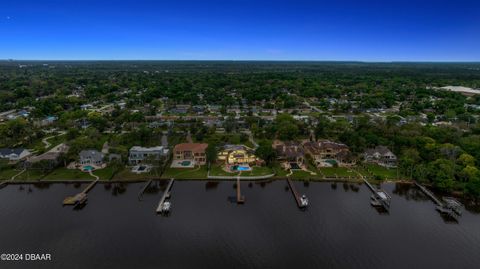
(15, 154)
(140, 154)
(192, 152)
(180, 109)
(326, 153)
(238, 155)
(380, 155)
(289, 151)
(46, 121)
(91, 157)
(51, 158)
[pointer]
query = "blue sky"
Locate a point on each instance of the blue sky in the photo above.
(241, 30)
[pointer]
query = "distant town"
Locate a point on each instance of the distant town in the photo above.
(134, 121)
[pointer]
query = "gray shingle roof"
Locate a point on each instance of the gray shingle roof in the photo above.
(7, 151)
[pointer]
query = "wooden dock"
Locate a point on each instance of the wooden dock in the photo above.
(449, 207)
(81, 197)
(240, 197)
(373, 189)
(165, 196)
(429, 194)
(295, 193)
(380, 198)
(140, 194)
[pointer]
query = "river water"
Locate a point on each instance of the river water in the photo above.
(207, 230)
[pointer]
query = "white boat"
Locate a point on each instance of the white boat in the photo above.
(304, 200)
(166, 206)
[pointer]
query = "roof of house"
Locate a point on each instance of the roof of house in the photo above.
(318, 147)
(8, 151)
(145, 149)
(49, 156)
(289, 149)
(191, 147)
(311, 146)
(326, 144)
(91, 154)
(382, 150)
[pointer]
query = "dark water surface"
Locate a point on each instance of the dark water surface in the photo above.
(205, 230)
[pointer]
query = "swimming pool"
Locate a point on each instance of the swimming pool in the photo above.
(294, 166)
(88, 168)
(241, 168)
(185, 163)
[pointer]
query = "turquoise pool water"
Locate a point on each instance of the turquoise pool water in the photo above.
(240, 168)
(88, 168)
(185, 163)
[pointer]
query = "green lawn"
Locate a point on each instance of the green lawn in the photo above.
(258, 171)
(383, 172)
(217, 170)
(30, 175)
(279, 171)
(68, 174)
(300, 174)
(186, 173)
(105, 173)
(338, 172)
(126, 174)
(363, 171)
(7, 173)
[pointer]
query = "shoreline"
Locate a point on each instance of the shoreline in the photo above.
(455, 193)
(344, 180)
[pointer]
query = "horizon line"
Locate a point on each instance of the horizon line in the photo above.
(232, 60)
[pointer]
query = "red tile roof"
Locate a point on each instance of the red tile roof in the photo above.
(194, 147)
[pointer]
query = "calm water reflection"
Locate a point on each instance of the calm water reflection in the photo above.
(340, 229)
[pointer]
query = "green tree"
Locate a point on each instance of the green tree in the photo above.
(441, 172)
(211, 153)
(266, 152)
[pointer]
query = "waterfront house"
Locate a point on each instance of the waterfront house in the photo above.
(289, 151)
(91, 157)
(15, 154)
(380, 155)
(328, 153)
(238, 155)
(141, 154)
(192, 152)
(51, 158)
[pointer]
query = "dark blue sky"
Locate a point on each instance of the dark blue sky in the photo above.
(241, 30)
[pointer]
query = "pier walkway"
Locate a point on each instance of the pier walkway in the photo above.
(140, 194)
(449, 207)
(295, 193)
(240, 197)
(165, 197)
(429, 194)
(81, 197)
(380, 198)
